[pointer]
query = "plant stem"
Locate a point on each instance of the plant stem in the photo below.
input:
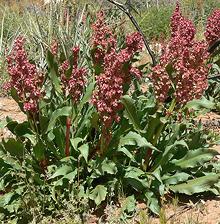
(170, 110)
(68, 125)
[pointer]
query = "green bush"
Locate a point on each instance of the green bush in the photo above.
(155, 22)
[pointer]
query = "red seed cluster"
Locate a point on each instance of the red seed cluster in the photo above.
(213, 27)
(75, 84)
(182, 64)
(24, 77)
(102, 39)
(54, 47)
(116, 69)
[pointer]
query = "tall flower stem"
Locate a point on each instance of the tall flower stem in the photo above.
(68, 125)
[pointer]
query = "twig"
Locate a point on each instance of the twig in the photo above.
(126, 10)
(213, 47)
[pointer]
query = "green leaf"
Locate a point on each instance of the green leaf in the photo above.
(198, 185)
(51, 136)
(31, 137)
(131, 111)
(71, 176)
(43, 123)
(39, 150)
(22, 129)
(194, 158)
(98, 194)
(168, 153)
(108, 167)
(5, 199)
(3, 124)
(134, 177)
(14, 147)
(152, 202)
(11, 125)
(133, 138)
(126, 152)
(75, 141)
(129, 205)
(200, 104)
(84, 150)
(88, 94)
(64, 111)
(62, 171)
(15, 97)
(176, 178)
(53, 72)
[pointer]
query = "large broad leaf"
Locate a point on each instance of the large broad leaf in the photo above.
(14, 147)
(176, 178)
(39, 150)
(84, 151)
(131, 111)
(107, 166)
(75, 141)
(152, 202)
(22, 129)
(98, 194)
(64, 111)
(200, 104)
(5, 199)
(136, 178)
(126, 152)
(62, 171)
(168, 153)
(44, 120)
(133, 138)
(194, 158)
(198, 185)
(15, 97)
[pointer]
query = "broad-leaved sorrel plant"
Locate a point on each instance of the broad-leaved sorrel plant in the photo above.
(182, 72)
(46, 97)
(90, 137)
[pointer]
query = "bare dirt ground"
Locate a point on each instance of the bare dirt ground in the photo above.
(182, 211)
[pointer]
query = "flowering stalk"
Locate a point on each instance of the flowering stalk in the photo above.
(73, 87)
(24, 78)
(182, 69)
(113, 69)
(116, 70)
(212, 33)
(68, 125)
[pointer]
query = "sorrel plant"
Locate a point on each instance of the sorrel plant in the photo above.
(91, 133)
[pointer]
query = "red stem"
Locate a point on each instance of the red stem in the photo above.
(68, 125)
(148, 157)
